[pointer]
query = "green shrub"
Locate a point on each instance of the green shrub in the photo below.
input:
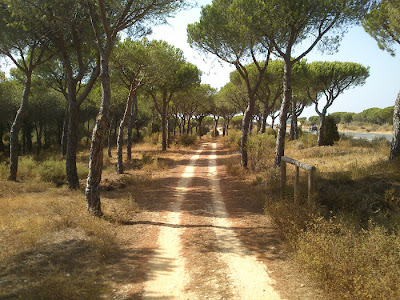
(82, 170)
(260, 148)
(271, 131)
(27, 166)
(306, 140)
(52, 171)
(187, 140)
(155, 138)
(331, 133)
(232, 140)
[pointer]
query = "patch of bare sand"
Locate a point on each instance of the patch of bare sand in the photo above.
(166, 277)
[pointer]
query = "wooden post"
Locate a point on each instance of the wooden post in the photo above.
(296, 184)
(283, 177)
(311, 184)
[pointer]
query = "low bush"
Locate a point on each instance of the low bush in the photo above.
(52, 171)
(260, 149)
(232, 140)
(187, 140)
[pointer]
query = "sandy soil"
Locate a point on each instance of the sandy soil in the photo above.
(202, 235)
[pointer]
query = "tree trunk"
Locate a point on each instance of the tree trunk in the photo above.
(120, 139)
(109, 137)
(216, 126)
(395, 148)
(200, 120)
(293, 123)
(65, 133)
(247, 118)
(132, 117)
(2, 148)
(72, 146)
(92, 191)
(164, 125)
(16, 126)
(322, 116)
(265, 114)
(287, 98)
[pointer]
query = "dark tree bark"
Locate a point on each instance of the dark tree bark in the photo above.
(395, 147)
(124, 120)
(72, 146)
(92, 191)
(131, 121)
(287, 97)
(65, 133)
(109, 136)
(2, 148)
(247, 118)
(16, 126)
(322, 116)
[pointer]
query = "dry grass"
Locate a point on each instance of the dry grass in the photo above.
(50, 248)
(366, 127)
(348, 238)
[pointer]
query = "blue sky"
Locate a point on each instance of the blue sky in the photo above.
(380, 89)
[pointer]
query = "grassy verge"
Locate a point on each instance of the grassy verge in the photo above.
(348, 238)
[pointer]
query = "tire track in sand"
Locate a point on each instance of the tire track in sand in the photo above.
(249, 277)
(166, 277)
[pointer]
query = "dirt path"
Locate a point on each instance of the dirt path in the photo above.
(199, 255)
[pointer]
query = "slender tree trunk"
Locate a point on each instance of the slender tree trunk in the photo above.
(164, 125)
(265, 114)
(293, 122)
(216, 126)
(247, 118)
(168, 135)
(2, 148)
(24, 138)
(109, 137)
(200, 121)
(29, 144)
(287, 98)
(92, 191)
(64, 137)
(72, 146)
(16, 126)
(132, 117)
(188, 126)
(120, 139)
(395, 148)
(322, 116)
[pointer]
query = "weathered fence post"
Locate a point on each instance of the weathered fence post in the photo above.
(298, 164)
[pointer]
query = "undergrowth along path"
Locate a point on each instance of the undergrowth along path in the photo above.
(203, 240)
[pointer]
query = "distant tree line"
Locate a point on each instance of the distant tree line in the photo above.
(373, 115)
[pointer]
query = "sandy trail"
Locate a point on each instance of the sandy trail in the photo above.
(169, 276)
(249, 277)
(166, 279)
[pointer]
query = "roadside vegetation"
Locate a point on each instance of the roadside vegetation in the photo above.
(50, 247)
(348, 237)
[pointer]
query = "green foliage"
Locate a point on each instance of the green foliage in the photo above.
(232, 140)
(236, 122)
(383, 24)
(52, 170)
(187, 140)
(314, 120)
(375, 115)
(260, 148)
(331, 133)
